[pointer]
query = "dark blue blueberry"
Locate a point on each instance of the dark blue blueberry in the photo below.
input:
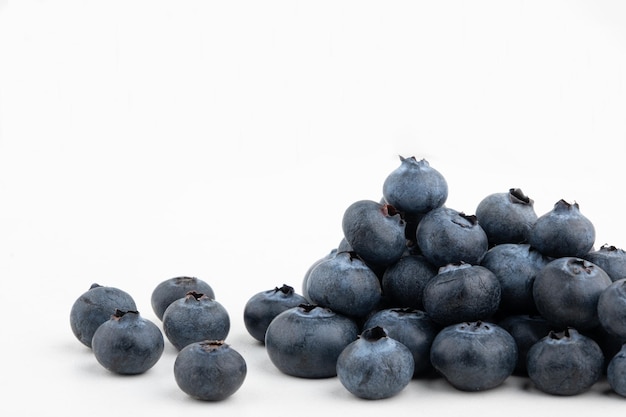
(94, 307)
(375, 366)
(194, 318)
(209, 370)
(565, 363)
(413, 328)
(403, 282)
(305, 279)
(344, 284)
(506, 217)
(611, 259)
(526, 330)
(305, 341)
(474, 356)
(563, 231)
(375, 231)
(127, 343)
(566, 292)
(415, 187)
(515, 266)
(176, 288)
(263, 306)
(616, 372)
(447, 236)
(612, 309)
(462, 292)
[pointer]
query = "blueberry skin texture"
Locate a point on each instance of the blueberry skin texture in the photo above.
(305, 279)
(447, 236)
(612, 309)
(526, 330)
(175, 288)
(415, 187)
(563, 231)
(194, 318)
(305, 341)
(403, 282)
(376, 232)
(128, 344)
(344, 284)
(474, 356)
(566, 292)
(462, 292)
(515, 266)
(616, 372)
(611, 259)
(565, 363)
(209, 370)
(96, 306)
(506, 217)
(413, 328)
(375, 366)
(262, 307)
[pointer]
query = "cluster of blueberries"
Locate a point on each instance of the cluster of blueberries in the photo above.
(419, 289)
(106, 320)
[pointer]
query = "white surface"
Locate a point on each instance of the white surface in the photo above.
(145, 140)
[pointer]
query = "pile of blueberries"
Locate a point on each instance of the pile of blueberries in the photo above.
(416, 289)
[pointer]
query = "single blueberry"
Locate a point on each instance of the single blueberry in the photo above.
(506, 217)
(176, 288)
(305, 279)
(612, 309)
(616, 372)
(403, 282)
(611, 259)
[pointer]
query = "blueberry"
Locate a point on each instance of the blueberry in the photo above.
(194, 318)
(415, 187)
(462, 292)
(611, 259)
(374, 231)
(474, 356)
(506, 217)
(127, 343)
(566, 292)
(413, 328)
(563, 231)
(446, 236)
(612, 309)
(565, 363)
(526, 330)
(403, 282)
(94, 307)
(263, 306)
(305, 341)
(515, 266)
(616, 372)
(305, 279)
(209, 370)
(344, 284)
(375, 366)
(175, 288)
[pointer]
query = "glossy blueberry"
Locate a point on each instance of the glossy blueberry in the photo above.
(127, 343)
(415, 187)
(612, 309)
(94, 307)
(403, 282)
(447, 236)
(566, 292)
(413, 328)
(474, 356)
(515, 266)
(563, 231)
(526, 330)
(374, 231)
(611, 259)
(262, 307)
(175, 288)
(194, 318)
(209, 370)
(565, 363)
(616, 372)
(506, 217)
(305, 341)
(462, 292)
(344, 284)
(375, 366)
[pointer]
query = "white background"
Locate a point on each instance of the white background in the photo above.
(142, 140)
